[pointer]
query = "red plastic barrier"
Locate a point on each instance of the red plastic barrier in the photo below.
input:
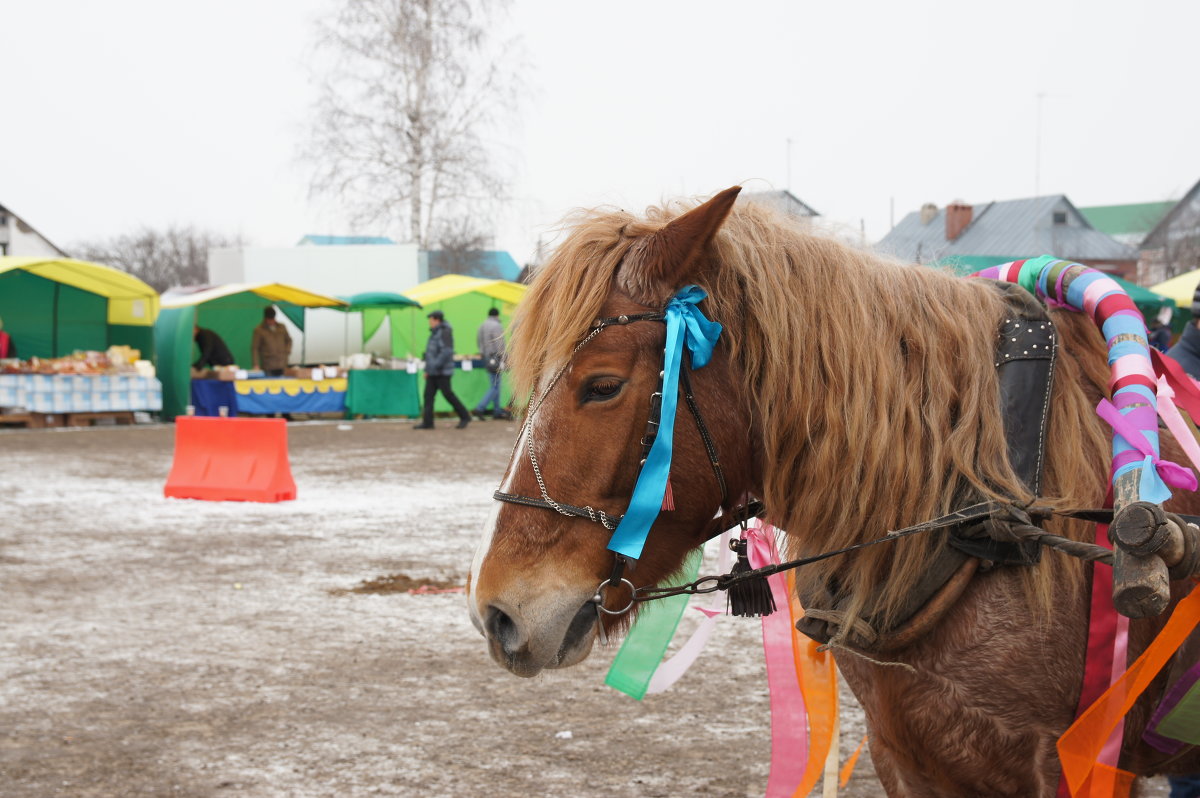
(231, 459)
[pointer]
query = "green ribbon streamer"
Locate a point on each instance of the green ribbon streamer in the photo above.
(649, 637)
(1183, 722)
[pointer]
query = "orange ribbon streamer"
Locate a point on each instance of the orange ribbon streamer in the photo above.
(817, 674)
(848, 768)
(1079, 747)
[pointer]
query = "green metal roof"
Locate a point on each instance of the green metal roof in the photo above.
(1141, 217)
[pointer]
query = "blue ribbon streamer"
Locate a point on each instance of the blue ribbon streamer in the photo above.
(685, 324)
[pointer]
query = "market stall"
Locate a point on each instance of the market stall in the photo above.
(465, 301)
(53, 307)
(1181, 288)
(80, 343)
(384, 391)
(232, 311)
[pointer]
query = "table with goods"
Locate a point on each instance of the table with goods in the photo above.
(83, 388)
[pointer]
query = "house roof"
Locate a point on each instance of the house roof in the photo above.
(486, 263)
(49, 243)
(1021, 228)
(1140, 217)
(1157, 237)
(784, 201)
(341, 241)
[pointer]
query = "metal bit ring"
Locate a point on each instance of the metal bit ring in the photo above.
(598, 599)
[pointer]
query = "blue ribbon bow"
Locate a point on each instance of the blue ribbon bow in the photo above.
(685, 324)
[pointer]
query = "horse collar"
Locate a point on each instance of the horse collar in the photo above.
(1026, 354)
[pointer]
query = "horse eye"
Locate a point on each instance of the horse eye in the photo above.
(603, 389)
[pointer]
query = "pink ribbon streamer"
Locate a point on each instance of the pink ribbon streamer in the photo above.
(1169, 413)
(789, 716)
(1173, 474)
(672, 669)
(1111, 752)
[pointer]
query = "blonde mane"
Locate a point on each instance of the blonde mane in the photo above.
(873, 383)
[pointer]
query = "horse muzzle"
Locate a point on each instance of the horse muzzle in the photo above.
(527, 640)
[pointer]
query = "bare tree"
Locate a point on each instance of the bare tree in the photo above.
(461, 249)
(163, 259)
(400, 129)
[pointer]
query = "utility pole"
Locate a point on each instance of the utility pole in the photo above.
(789, 165)
(1037, 148)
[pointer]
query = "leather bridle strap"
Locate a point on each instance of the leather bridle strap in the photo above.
(737, 516)
(590, 513)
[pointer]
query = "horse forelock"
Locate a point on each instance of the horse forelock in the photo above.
(872, 382)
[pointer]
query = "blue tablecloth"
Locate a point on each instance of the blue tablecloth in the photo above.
(209, 396)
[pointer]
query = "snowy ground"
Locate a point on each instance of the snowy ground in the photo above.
(157, 647)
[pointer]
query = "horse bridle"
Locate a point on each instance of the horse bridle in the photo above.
(738, 515)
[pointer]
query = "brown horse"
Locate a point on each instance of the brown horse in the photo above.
(854, 395)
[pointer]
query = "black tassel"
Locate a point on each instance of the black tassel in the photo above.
(748, 598)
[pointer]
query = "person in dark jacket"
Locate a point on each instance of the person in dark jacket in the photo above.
(1187, 349)
(490, 340)
(439, 367)
(213, 351)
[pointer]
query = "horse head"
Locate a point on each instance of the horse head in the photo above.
(536, 570)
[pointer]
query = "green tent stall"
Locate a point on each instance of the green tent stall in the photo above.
(232, 311)
(465, 301)
(377, 306)
(54, 306)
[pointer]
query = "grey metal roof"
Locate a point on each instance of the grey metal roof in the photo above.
(1022, 228)
(784, 201)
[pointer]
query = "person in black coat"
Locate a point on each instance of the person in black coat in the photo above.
(439, 368)
(213, 351)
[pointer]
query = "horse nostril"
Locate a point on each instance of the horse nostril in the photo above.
(502, 629)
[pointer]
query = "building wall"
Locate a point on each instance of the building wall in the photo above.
(330, 270)
(25, 241)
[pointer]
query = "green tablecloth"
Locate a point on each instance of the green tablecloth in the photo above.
(379, 392)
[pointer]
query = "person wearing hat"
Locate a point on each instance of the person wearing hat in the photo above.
(439, 367)
(1187, 349)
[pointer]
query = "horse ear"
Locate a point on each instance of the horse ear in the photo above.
(672, 256)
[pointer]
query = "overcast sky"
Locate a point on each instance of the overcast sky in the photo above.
(125, 113)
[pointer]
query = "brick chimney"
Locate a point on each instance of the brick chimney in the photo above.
(958, 216)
